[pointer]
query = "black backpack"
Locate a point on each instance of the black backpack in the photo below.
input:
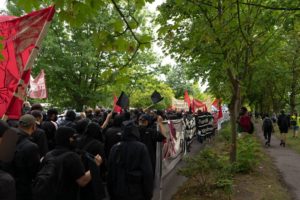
(48, 182)
(268, 124)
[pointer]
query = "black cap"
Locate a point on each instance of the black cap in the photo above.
(145, 117)
(26, 120)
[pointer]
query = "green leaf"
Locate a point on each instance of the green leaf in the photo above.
(118, 25)
(139, 4)
(145, 38)
(121, 44)
(133, 24)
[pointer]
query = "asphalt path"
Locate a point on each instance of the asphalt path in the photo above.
(287, 162)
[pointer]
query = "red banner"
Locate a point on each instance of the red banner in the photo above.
(38, 88)
(198, 104)
(22, 39)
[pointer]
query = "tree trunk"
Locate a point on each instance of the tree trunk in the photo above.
(234, 108)
(234, 114)
(293, 91)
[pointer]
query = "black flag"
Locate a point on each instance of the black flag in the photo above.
(156, 97)
(123, 100)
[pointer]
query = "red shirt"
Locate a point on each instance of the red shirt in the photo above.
(245, 123)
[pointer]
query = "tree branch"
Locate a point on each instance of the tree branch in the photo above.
(203, 3)
(240, 26)
(270, 7)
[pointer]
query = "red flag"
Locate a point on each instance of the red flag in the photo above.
(38, 88)
(220, 115)
(187, 98)
(117, 108)
(197, 104)
(217, 104)
(22, 39)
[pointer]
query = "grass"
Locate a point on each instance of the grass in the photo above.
(262, 183)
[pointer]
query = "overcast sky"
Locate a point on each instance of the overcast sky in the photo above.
(2, 4)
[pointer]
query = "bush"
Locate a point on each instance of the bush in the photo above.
(209, 170)
(248, 154)
(225, 132)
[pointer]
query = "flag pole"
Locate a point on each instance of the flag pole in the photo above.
(149, 106)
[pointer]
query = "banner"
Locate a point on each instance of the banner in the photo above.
(38, 88)
(197, 104)
(179, 104)
(22, 39)
(174, 146)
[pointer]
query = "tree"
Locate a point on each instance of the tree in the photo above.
(222, 42)
(89, 58)
(177, 80)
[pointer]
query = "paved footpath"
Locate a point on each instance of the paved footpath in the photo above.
(287, 162)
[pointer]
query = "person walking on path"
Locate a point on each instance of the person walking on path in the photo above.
(283, 124)
(244, 121)
(267, 128)
(295, 124)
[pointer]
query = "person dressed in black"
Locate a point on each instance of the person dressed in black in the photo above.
(69, 120)
(149, 135)
(283, 124)
(113, 135)
(267, 129)
(73, 172)
(49, 126)
(7, 182)
(89, 144)
(27, 158)
(130, 175)
(39, 136)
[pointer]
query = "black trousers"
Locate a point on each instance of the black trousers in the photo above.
(267, 135)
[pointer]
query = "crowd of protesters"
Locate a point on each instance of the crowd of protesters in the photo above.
(97, 154)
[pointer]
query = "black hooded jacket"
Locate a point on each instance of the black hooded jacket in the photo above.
(88, 143)
(130, 173)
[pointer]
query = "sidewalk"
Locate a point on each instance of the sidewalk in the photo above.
(286, 161)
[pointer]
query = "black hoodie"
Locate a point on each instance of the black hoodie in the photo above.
(130, 173)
